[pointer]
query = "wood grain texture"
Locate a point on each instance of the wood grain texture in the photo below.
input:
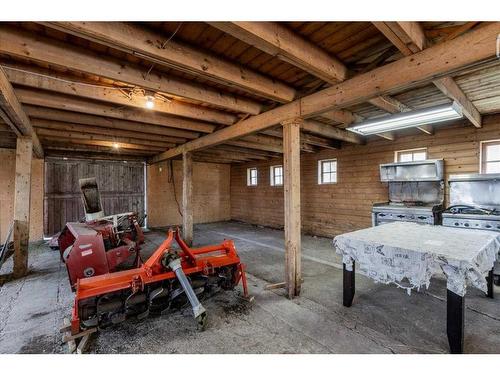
(338, 208)
(121, 186)
(22, 194)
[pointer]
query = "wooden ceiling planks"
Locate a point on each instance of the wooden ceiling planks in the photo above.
(356, 44)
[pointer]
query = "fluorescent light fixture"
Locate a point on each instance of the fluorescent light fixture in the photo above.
(411, 119)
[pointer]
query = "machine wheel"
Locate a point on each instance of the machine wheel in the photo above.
(202, 322)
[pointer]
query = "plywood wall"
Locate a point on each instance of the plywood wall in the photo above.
(7, 177)
(210, 191)
(332, 209)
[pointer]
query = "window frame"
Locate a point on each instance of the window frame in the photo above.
(482, 147)
(412, 151)
(272, 175)
(249, 176)
(321, 172)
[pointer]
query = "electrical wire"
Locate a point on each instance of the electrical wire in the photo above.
(171, 180)
(163, 45)
(127, 91)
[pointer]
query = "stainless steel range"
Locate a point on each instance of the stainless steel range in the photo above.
(416, 192)
(474, 204)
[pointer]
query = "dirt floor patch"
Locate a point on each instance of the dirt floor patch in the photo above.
(42, 344)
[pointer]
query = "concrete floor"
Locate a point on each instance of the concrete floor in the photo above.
(383, 319)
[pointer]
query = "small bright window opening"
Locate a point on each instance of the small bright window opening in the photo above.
(277, 175)
(416, 154)
(251, 176)
(490, 156)
(327, 171)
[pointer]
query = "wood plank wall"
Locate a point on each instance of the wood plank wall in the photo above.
(328, 210)
(7, 179)
(121, 186)
(211, 201)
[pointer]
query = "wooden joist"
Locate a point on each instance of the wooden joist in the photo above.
(110, 144)
(13, 114)
(88, 129)
(26, 45)
(424, 66)
(276, 40)
(414, 32)
(50, 114)
(44, 132)
(68, 103)
(38, 79)
(149, 45)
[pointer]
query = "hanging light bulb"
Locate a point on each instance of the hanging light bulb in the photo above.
(150, 101)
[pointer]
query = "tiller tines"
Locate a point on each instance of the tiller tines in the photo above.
(168, 279)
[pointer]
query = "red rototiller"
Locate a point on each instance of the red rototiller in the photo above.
(168, 279)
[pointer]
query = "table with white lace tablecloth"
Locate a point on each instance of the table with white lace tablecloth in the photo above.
(409, 254)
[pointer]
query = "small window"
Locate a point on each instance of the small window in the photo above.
(327, 171)
(251, 176)
(490, 156)
(277, 175)
(416, 154)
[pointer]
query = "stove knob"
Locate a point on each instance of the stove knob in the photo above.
(466, 224)
(457, 224)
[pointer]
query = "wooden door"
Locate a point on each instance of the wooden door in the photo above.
(121, 185)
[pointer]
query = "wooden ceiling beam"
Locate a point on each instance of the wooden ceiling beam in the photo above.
(105, 122)
(309, 139)
(277, 40)
(149, 45)
(15, 42)
(93, 155)
(71, 127)
(69, 103)
(447, 85)
(43, 132)
(424, 66)
(13, 114)
(121, 145)
(41, 79)
(75, 147)
(250, 154)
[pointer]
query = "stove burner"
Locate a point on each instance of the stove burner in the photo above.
(471, 210)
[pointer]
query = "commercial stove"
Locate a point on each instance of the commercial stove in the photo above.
(416, 192)
(475, 204)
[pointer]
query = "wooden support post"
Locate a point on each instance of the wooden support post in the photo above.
(24, 151)
(187, 197)
(291, 156)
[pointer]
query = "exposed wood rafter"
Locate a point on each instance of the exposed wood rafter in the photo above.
(424, 66)
(414, 32)
(13, 114)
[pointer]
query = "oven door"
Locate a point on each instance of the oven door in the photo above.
(389, 217)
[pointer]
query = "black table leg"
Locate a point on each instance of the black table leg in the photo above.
(455, 322)
(349, 287)
(489, 283)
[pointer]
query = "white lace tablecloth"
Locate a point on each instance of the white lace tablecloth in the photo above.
(409, 254)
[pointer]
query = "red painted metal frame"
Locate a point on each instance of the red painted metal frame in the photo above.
(205, 260)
